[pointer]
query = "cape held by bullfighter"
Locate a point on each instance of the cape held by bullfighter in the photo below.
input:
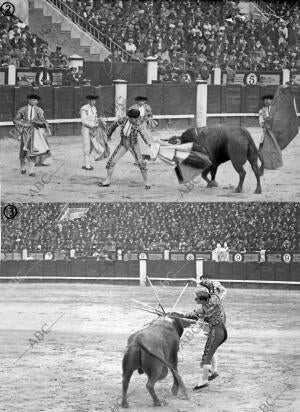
(280, 126)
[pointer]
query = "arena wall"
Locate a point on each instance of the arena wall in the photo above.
(166, 272)
(61, 104)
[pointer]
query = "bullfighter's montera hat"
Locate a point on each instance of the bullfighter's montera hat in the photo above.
(133, 113)
(202, 293)
(141, 98)
(268, 96)
(33, 96)
(92, 97)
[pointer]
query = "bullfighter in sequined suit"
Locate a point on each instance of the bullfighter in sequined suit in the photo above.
(212, 312)
(130, 130)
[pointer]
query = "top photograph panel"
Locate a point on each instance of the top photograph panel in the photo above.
(138, 101)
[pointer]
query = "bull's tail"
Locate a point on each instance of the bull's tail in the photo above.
(253, 151)
(173, 371)
(132, 357)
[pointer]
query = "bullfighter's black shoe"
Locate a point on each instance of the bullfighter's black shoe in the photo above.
(203, 385)
(204, 379)
(213, 376)
(103, 185)
(87, 168)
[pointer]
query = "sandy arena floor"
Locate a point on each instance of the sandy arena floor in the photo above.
(77, 365)
(65, 181)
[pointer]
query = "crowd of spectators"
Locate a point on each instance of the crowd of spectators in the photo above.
(21, 48)
(191, 37)
(155, 226)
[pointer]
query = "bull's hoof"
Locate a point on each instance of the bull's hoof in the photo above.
(124, 404)
(174, 390)
(237, 190)
(212, 183)
(258, 191)
(157, 403)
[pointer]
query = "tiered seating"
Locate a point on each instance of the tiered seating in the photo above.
(155, 226)
(189, 38)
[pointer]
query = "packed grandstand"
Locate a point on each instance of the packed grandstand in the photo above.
(132, 227)
(188, 38)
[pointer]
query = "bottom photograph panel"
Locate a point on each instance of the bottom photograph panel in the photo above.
(114, 305)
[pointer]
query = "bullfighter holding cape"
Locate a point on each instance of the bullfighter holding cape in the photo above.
(93, 131)
(280, 127)
(33, 129)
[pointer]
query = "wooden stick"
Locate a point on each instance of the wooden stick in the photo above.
(143, 303)
(146, 310)
(175, 304)
(157, 297)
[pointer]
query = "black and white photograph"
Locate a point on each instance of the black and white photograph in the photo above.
(150, 205)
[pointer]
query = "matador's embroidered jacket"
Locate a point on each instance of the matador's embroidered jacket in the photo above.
(130, 137)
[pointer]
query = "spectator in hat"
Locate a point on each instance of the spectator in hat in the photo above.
(64, 62)
(56, 55)
(130, 129)
(71, 77)
(26, 61)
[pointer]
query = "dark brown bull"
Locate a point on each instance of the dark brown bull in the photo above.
(224, 142)
(153, 350)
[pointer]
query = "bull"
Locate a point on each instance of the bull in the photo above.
(153, 350)
(221, 143)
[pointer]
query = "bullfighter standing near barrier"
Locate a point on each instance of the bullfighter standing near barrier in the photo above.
(272, 153)
(146, 123)
(32, 127)
(130, 130)
(264, 113)
(93, 133)
(210, 296)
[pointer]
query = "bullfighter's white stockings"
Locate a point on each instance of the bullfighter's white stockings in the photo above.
(203, 382)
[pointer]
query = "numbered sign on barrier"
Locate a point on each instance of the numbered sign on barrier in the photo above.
(190, 256)
(238, 257)
(143, 256)
(286, 257)
(251, 79)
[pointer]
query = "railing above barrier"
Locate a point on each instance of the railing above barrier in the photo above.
(90, 28)
(286, 257)
(104, 73)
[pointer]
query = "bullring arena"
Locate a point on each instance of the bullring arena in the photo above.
(65, 181)
(77, 259)
(77, 365)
